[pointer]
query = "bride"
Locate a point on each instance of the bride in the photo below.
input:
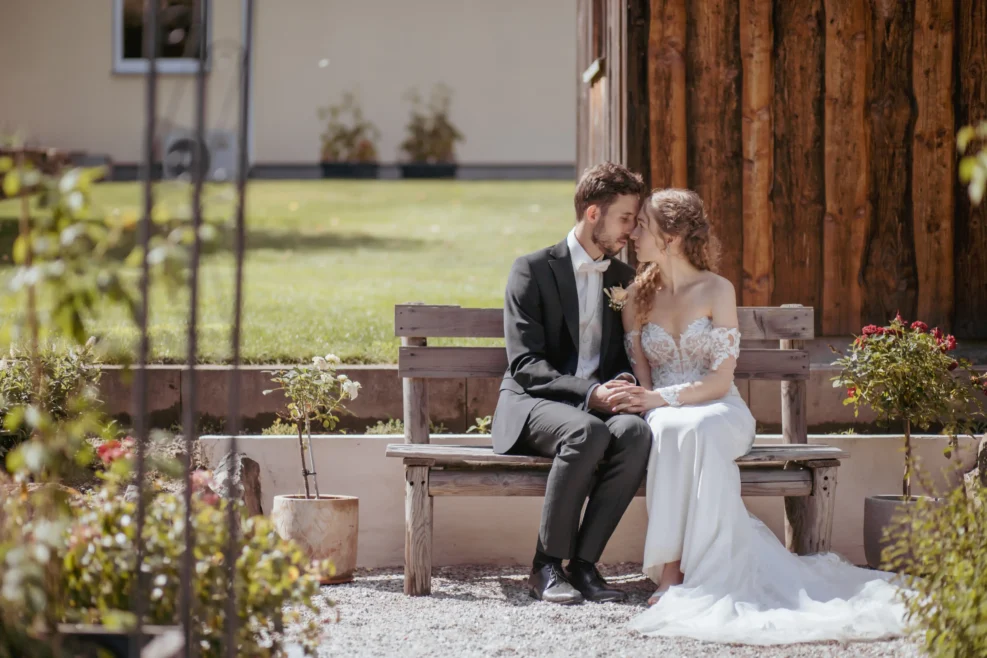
(722, 574)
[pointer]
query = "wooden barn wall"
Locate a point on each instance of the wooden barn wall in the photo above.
(821, 135)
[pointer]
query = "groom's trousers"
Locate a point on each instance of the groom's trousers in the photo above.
(596, 456)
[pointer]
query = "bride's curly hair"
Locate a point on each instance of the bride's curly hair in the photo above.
(676, 212)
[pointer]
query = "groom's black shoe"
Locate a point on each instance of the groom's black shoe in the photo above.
(548, 583)
(589, 582)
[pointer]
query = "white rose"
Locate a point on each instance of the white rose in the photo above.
(333, 359)
(320, 363)
(342, 379)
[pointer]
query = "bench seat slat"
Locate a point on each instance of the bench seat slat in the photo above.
(430, 321)
(448, 455)
(453, 362)
(755, 481)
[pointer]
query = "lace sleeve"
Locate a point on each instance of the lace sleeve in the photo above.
(630, 345)
(671, 394)
(725, 344)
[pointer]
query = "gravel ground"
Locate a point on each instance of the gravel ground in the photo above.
(486, 611)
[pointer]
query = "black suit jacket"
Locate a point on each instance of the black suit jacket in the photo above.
(541, 329)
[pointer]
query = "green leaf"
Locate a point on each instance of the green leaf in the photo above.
(6, 164)
(968, 165)
(963, 137)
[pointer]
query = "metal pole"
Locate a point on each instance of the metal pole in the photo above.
(233, 416)
(189, 424)
(139, 596)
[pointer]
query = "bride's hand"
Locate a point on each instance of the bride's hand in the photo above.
(634, 400)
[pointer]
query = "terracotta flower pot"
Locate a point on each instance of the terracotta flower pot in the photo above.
(326, 528)
(879, 512)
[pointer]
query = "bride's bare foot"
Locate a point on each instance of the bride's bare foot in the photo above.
(671, 576)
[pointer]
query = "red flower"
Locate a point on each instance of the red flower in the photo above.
(871, 330)
(950, 343)
(920, 326)
(899, 319)
(937, 334)
(113, 450)
(953, 366)
(202, 484)
(851, 392)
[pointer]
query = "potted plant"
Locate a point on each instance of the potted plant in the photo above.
(349, 141)
(430, 146)
(325, 526)
(905, 372)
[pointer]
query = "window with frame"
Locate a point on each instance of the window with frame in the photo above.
(179, 24)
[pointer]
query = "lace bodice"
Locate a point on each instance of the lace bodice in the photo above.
(700, 349)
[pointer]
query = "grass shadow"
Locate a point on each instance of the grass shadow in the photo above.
(323, 241)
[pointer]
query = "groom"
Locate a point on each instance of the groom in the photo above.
(565, 350)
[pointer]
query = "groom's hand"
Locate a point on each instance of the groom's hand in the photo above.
(598, 398)
(632, 399)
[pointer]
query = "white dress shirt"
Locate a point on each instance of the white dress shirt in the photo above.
(589, 286)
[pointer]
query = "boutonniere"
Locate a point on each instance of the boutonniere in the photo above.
(618, 296)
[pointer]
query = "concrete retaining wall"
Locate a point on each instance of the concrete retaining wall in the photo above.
(490, 530)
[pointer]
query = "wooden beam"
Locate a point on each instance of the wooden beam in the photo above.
(755, 481)
(453, 362)
(890, 281)
(636, 112)
(418, 532)
(716, 166)
(466, 456)
(809, 519)
(798, 194)
(414, 394)
(847, 206)
(756, 41)
(933, 160)
(584, 56)
(755, 323)
(971, 222)
(794, 403)
(669, 162)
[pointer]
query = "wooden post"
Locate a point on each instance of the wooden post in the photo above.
(669, 162)
(417, 530)
(415, 397)
(809, 519)
(794, 411)
(756, 41)
(933, 158)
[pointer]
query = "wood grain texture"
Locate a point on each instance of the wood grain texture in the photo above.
(794, 404)
(599, 122)
(809, 519)
(890, 281)
(454, 362)
(616, 53)
(755, 323)
(418, 532)
(970, 273)
(798, 193)
(460, 456)
(847, 205)
(669, 161)
(933, 160)
(754, 481)
(636, 113)
(756, 41)
(414, 396)
(713, 69)
(584, 56)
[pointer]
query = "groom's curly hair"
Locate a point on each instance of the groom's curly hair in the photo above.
(601, 184)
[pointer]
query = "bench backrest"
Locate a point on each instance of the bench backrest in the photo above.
(416, 323)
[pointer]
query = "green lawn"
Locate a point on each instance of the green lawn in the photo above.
(327, 261)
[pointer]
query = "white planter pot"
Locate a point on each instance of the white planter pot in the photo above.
(326, 528)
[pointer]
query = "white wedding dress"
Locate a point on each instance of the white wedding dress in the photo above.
(741, 584)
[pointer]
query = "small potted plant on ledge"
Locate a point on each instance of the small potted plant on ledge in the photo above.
(326, 526)
(349, 147)
(430, 146)
(905, 372)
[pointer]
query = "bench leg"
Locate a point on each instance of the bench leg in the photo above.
(417, 532)
(809, 519)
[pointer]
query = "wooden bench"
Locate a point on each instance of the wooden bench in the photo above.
(804, 474)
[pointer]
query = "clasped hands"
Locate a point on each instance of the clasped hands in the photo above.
(622, 396)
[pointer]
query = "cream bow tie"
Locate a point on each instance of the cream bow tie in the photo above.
(600, 266)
